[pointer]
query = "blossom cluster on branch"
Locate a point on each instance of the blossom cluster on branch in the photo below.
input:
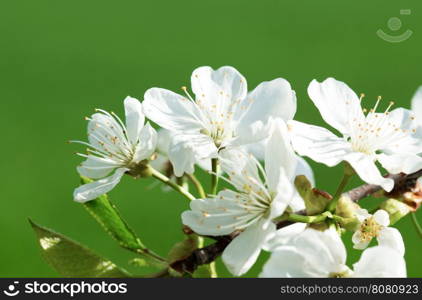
(250, 140)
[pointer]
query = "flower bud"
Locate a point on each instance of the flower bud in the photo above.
(396, 209)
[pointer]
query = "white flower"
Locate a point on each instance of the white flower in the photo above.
(390, 138)
(260, 196)
(222, 114)
(114, 146)
(313, 253)
(376, 226)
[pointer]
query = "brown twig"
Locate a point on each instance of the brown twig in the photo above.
(211, 252)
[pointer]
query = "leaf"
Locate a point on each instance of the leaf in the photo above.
(315, 200)
(107, 215)
(71, 259)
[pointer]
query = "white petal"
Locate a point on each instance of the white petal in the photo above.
(282, 236)
(417, 104)
(310, 254)
(382, 217)
(366, 169)
(243, 251)
(279, 155)
(216, 216)
(172, 111)
(147, 143)
(240, 166)
(284, 192)
(397, 163)
(380, 262)
(222, 87)
(269, 100)
(391, 237)
(336, 102)
(402, 134)
(135, 119)
(358, 243)
(362, 214)
(318, 143)
(186, 150)
(96, 167)
(97, 188)
(100, 128)
(164, 137)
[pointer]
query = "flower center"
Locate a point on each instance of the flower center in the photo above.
(217, 116)
(369, 229)
(374, 130)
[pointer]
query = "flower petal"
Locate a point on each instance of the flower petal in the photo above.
(147, 143)
(382, 217)
(398, 163)
(222, 88)
(172, 111)
(243, 251)
(135, 119)
(187, 149)
(96, 167)
(312, 253)
(366, 169)
(282, 236)
(269, 100)
(216, 216)
(318, 143)
(241, 167)
(402, 134)
(358, 242)
(279, 155)
(336, 102)
(97, 188)
(380, 261)
(391, 237)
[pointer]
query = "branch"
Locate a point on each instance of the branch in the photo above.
(206, 255)
(402, 183)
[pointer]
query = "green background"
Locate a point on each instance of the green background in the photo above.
(61, 59)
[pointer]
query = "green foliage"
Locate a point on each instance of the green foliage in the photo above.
(107, 215)
(70, 259)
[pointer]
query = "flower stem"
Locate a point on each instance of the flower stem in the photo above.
(308, 219)
(416, 224)
(214, 176)
(197, 185)
(171, 184)
(332, 205)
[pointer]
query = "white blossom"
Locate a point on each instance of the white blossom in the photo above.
(222, 113)
(376, 226)
(114, 147)
(390, 138)
(260, 196)
(313, 253)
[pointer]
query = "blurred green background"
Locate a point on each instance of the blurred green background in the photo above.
(61, 59)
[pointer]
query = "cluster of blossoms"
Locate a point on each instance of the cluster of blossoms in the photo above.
(229, 131)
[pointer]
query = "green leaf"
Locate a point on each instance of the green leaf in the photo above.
(315, 200)
(107, 215)
(70, 259)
